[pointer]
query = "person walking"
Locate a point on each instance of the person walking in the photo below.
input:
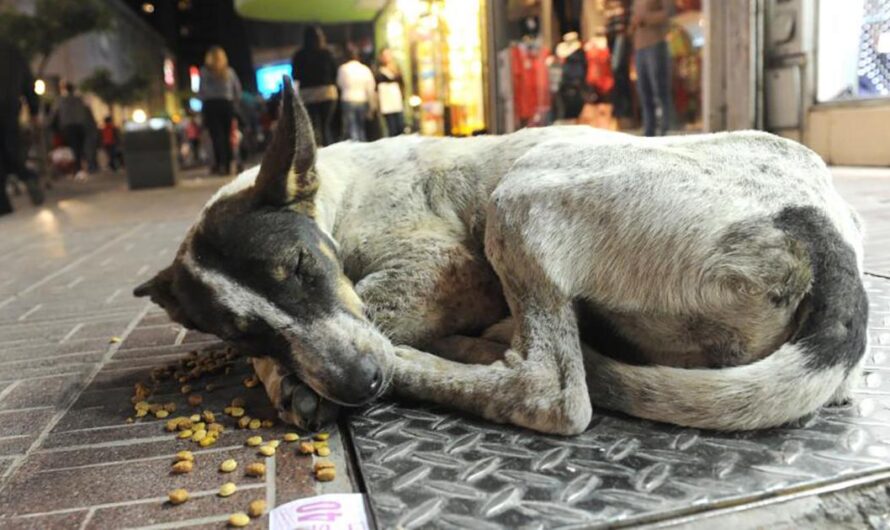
(220, 89)
(357, 95)
(110, 140)
(15, 83)
(389, 93)
(74, 119)
(649, 25)
(315, 71)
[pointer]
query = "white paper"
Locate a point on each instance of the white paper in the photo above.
(334, 511)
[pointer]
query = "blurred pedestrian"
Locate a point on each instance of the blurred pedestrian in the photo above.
(110, 140)
(649, 24)
(315, 70)
(220, 89)
(389, 93)
(15, 83)
(357, 95)
(74, 119)
(193, 137)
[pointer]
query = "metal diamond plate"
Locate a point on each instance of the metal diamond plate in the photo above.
(428, 468)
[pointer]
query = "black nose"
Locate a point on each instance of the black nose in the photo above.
(365, 381)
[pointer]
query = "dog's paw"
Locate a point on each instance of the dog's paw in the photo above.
(301, 406)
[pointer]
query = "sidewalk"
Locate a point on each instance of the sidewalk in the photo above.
(68, 459)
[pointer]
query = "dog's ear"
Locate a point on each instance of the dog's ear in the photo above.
(287, 174)
(160, 290)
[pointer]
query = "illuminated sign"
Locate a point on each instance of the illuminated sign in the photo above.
(169, 73)
(268, 78)
(194, 78)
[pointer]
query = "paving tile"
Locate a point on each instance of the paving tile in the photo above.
(147, 337)
(46, 522)
(161, 511)
(15, 423)
(87, 486)
(16, 445)
(47, 391)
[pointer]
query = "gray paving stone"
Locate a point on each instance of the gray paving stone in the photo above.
(45, 522)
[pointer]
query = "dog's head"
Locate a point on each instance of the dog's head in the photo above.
(259, 272)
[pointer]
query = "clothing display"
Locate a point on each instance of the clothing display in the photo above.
(531, 85)
(599, 69)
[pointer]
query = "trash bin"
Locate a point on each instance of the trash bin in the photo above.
(150, 154)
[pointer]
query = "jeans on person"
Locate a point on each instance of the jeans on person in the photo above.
(354, 120)
(395, 123)
(75, 136)
(321, 115)
(218, 115)
(654, 87)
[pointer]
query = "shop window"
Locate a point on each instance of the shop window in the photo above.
(854, 50)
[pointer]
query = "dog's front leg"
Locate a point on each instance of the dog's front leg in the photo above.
(540, 385)
(296, 403)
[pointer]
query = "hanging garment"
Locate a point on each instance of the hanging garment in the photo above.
(599, 71)
(531, 92)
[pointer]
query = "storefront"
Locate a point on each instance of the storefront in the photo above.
(572, 61)
(440, 48)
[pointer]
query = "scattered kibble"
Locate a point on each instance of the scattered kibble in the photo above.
(227, 489)
(115, 340)
(307, 448)
(239, 519)
(291, 437)
(237, 412)
(185, 455)
(256, 508)
(251, 382)
(195, 418)
(268, 424)
(199, 435)
(256, 469)
(208, 416)
(228, 466)
(195, 400)
(178, 496)
(161, 414)
(186, 389)
(255, 424)
(267, 450)
(244, 422)
(207, 441)
(238, 403)
(216, 427)
(323, 451)
(185, 434)
(170, 406)
(326, 474)
(254, 441)
(183, 466)
(322, 436)
(274, 443)
(319, 445)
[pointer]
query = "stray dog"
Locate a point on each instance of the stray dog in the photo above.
(710, 281)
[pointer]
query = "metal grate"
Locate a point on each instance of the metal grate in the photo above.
(433, 469)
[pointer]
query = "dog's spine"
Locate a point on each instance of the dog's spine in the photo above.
(792, 382)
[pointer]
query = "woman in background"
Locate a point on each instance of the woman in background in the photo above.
(315, 70)
(220, 89)
(357, 95)
(389, 92)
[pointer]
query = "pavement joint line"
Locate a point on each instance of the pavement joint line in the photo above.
(121, 504)
(48, 278)
(14, 437)
(74, 396)
(71, 333)
(182, 524)
(102, 445)
(180, 336)
(6, 391)
(87, 519)
(30, 312)
(167, 456)
(270, 482)
(38, 377)
(113, 295)
(49, 358)
(142, 270)
(25, 409)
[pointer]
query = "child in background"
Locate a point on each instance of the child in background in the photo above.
(110, 137)
(193, 136)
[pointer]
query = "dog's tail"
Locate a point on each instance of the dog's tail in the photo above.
(792, 382)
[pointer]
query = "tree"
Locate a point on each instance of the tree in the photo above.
(53, 23)
(101, 83)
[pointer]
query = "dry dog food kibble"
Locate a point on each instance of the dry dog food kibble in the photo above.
(254, 441)
(325, 474)
(257, 508)
(207, 441)
(216, 427)
(238, 402)
(185, 389)
(195, 400)
(178, 496)
(256, 469)
(274, 443)
(185, 455)
(244, 422)
(185, 434)
(291, 437)
(268, 424)
(195, 418)
(251, 382)
(237, 412)
(323, 451)
(239, 519)
(161, 414)
(322, 436)
(199, 435)
(228, 465)
(255, 424)
(267, 450)
(227, 489)
(208, 416)
(183, 466)
(307, 448)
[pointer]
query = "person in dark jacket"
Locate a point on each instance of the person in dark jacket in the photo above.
(15, 83)
(315, 70)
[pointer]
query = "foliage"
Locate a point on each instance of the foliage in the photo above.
(101, 83)
(53, 23)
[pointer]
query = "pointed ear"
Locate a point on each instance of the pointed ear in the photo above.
(287, 174)
(160, 290)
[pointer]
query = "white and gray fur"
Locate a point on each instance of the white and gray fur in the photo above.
(717, 276)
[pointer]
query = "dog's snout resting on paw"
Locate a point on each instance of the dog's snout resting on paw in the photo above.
(710, 281)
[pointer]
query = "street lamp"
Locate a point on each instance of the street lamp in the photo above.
(39, 87)
(139, 116)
